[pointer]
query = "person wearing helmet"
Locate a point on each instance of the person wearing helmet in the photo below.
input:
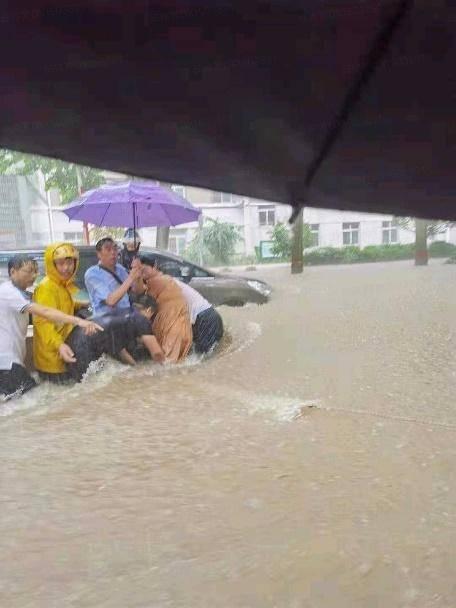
(56, 290)
(131, 243)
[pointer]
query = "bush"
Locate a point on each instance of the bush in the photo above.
(281, 241)
(216, 242)
(352, 255)
(375, 253)
(441, 249)
(241, 259)
(325, 255)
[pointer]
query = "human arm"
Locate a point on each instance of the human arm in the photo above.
(138, 287)
(66, 354)
(56, 316)
(154, 348)
(99, 284)
(125, 357)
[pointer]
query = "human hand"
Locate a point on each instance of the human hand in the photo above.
(136, 271)
(159, 356)
(155, 350)
(66, 353)
(136, 262)
(90, 327)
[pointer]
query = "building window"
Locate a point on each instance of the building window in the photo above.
(389, 232)
(314, 233)
(177, 244)
(223, 198)
(72, 237)
(350, 233)
(178, 189)
(266, 216)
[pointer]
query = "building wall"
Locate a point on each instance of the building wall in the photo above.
(244, 212)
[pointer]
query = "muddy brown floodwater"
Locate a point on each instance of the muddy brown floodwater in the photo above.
(219, 485)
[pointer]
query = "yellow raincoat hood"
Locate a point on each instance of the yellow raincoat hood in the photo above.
(61, 251)
(57, 293)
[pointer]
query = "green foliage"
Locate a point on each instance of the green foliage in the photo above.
(198, 252)
(351, 255)
(57, 173)
(216, 242)
(281, 237)
(242, 259)
(441, 249)
(433, 227)
(307, 237)
(281, 241)
(374, 253)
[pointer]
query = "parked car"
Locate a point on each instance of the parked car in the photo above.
(217, 288)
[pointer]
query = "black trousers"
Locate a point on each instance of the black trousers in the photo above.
(15, 381)
(207, 330)
(59, 378)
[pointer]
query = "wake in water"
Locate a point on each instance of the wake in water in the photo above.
(47, 397)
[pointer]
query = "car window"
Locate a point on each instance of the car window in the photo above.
(199, 272)
(171, 267)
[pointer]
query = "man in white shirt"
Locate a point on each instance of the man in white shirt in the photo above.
(15, 307)
(206, 322)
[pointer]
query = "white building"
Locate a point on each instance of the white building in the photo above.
(256, 220)
(31, 216)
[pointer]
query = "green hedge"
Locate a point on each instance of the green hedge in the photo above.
(373, 253)
(440, 249)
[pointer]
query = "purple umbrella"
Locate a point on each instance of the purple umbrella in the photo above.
(132, 204)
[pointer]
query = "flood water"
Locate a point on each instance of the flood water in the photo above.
(309, 463)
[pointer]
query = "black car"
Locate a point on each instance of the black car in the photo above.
(218, 289)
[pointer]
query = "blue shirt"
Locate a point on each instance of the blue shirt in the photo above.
(100, 283)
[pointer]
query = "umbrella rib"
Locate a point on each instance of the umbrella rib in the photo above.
(102, 219)
(379, 46)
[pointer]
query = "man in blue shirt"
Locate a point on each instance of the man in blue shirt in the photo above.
(108, 283)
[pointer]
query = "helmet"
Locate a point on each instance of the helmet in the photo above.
(130, 236)
(65, 250)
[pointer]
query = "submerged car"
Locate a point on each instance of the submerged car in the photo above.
(219, 289)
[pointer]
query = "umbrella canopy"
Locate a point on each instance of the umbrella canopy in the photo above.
(243, 96)
(132, 204)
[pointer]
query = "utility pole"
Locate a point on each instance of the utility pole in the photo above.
(50, 217)
(297, 255)
(85, 226)
(421, 252)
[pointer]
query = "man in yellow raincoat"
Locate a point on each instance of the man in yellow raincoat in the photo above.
(56, 290)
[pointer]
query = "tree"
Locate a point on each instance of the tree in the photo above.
(423, 229)
(421, 251)
(57, 173)
(215, 241)
(433, 227)
(282, 240)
